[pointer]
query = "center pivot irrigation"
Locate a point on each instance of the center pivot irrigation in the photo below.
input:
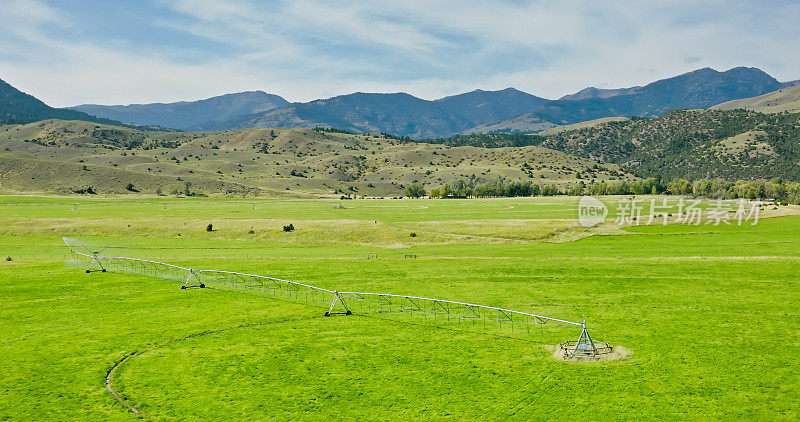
(342, 303)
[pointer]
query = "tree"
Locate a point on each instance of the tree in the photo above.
(415, 191)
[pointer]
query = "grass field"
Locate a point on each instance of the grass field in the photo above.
(709, 313)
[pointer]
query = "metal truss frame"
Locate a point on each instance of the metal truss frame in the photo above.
(342, 303)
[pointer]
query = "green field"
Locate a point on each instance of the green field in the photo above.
(708, 313)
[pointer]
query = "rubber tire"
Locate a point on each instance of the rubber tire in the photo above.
(327, 313)
(202, 286)
(348, 313)
(104, 270)
(88, 271)
(183, 287)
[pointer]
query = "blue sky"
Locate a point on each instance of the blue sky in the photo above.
(121, 52)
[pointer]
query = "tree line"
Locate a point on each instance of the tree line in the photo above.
(776, 189)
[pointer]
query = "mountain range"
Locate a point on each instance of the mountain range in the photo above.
(701, 89)
(401, 114)
(508, 110)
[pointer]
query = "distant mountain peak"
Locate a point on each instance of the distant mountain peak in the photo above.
(186, 114)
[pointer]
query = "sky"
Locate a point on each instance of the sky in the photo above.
(70, 52)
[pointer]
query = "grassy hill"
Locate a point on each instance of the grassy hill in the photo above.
(71, 156)
(581, 125)
(733, 144)
(786, 99)
(525, 123)
(694, 144)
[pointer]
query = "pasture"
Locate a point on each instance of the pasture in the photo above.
(709, 313)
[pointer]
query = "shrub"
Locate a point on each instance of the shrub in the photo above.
(288, 228)
(8, 259)
(251, 231)
(413, 234)
(210, 227)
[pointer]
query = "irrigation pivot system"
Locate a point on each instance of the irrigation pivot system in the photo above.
(344, 303)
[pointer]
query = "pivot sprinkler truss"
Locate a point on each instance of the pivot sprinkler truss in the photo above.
(96, 258)
(342, 303)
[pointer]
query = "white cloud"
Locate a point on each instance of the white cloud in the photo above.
(310, 48)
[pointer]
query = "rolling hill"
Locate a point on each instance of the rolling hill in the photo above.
(694, 144)
(727, 144)
(526, 123)
(785, 99)
(185, 115)
(71, 156)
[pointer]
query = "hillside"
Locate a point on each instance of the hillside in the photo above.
(581, 125)
(526, 123)
(71, 156)
(19, 107)
(734, 144)
(785, 99)
(185, 115)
